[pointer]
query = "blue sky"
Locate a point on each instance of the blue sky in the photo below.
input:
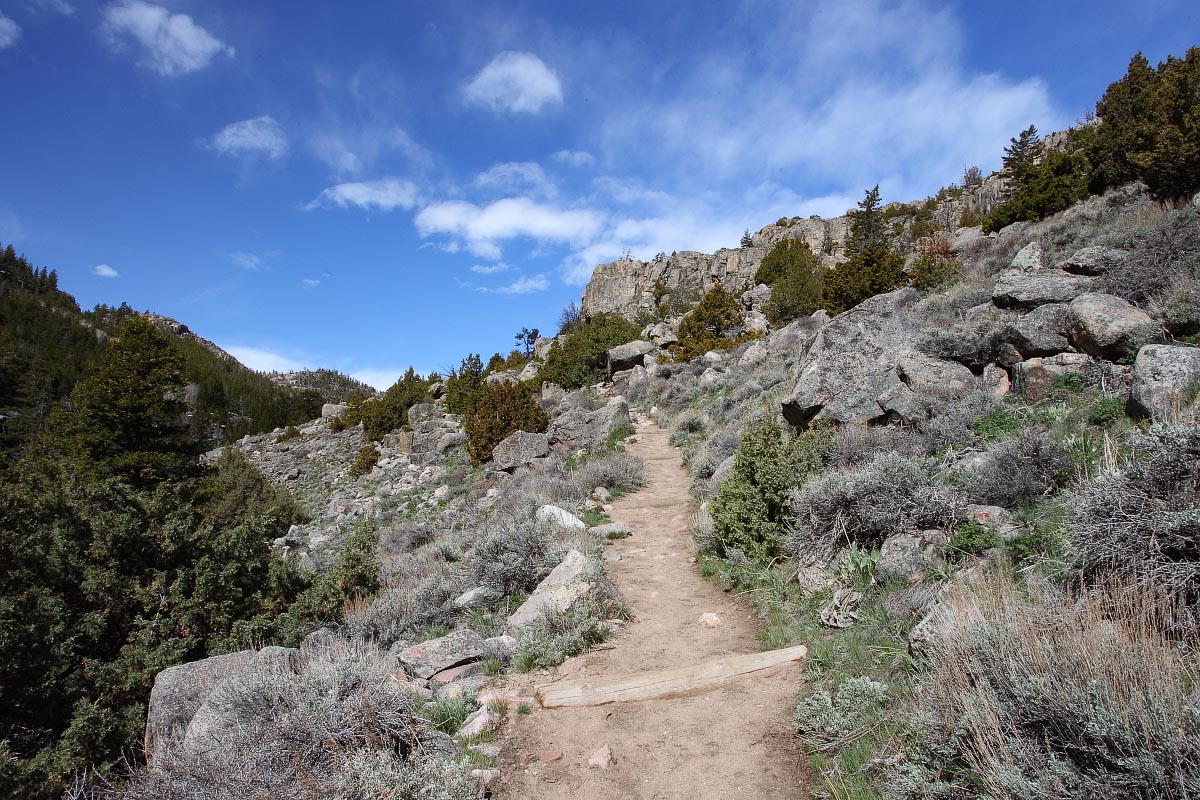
(366, 186)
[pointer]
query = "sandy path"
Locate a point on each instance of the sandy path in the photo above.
(734, 742)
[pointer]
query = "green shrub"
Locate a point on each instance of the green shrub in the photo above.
(973, 537)
(797, 277)
(970, 218)
(1052, 185)
(714, 324)
(751, 506)
(504, 409)
(872, 271)
(292, 432)
(368, 457)
(465, 386)
(583, 359)
(786, 255)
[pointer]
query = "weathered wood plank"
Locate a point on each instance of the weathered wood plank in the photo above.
(664, 683)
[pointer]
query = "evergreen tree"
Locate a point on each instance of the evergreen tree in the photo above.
(465, 386)
(867, 226)
(582, 358)
(747, 241)
(526, 339)
(798, 291)
(127, 416)
(1021, 154)
(714, 324)
(873, 271)
(505, 408)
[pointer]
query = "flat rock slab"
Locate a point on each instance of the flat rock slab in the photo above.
(665, 683)
(426, 659)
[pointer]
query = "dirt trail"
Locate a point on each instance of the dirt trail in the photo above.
(734, 742)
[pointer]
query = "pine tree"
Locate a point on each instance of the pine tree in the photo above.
(127, 416)
(1021, 154)
(867, 228)
(747, 241)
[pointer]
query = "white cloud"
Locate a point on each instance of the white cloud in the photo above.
(516, 176)
(526, 285)
(490, 269)
(173, 43)
(515, 82)
(310, 283)
(574, 158)
(263, 360)
(104, 271)
(483, 228)
(381, 195)
(10, 31)
(257, 137)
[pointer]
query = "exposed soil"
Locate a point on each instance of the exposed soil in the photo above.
(732, 742)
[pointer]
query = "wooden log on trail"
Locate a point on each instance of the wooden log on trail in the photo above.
(659, 684)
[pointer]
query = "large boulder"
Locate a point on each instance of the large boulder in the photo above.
(180, 692)
(1166, 382)
(663, 334)
(1043, 331)
(1108, 327)
(628, 356)
(1093, 260)
(573, 580)
(909, 555)
(519, 449)
(426, 659)
(1027, 283)
(852, 363)
(577, 427)
(541, 348)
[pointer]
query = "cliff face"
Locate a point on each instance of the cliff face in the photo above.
(627, 287)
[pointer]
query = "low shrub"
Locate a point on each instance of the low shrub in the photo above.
(504, 409)
(974, 343)
(340, 728)
(1143, 521)
(1162, 255)
(865, 505)
(751, 506)
(1030, 693)
(617, 472)
(514, 556)
(1030, 466)
(553, 638)
(859, 444)
(825, 718)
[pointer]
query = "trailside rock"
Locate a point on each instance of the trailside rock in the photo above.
(1093, 260)
(426, 659)
(628, 356)
(518, 449)
(852, 362)
(1028, 284)
(1166, 382)
(1106, 326)
(554, 515)
(567, 584)
(908, 555)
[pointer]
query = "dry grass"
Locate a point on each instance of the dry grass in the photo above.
(1034, 693)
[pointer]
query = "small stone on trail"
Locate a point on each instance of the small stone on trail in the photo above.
(546, 756)
(710, 620)
(601, 758)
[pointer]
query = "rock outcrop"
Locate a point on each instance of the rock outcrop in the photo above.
(520, 449)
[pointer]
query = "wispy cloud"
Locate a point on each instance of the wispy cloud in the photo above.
(56, 6)
(10, 31)
(263, 360)
(515, 82)
(172, 44)
(104, 271)
(310, 283)
(574, 158)
(260, 137)
(526, 285)
(516, 177)
(484, 228)
(252, 262)
(348, 150)
(490, 269)
(387, 194)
